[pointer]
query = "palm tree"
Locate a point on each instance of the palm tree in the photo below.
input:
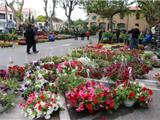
(150, 10)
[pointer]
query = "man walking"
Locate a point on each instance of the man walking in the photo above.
(134, 37)
(30, 39)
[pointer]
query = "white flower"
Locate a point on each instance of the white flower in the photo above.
(47, 116)
(40, 75)
(55, 107)
(29, 111)
(42, 103)
(39, 114)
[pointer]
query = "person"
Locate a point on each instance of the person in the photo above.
(51, 37)
(135, 32)
(76, 34)
(117, 35)
(148, 38)
(82, 35)
(88, 34)
(30, 39)
(100, 35)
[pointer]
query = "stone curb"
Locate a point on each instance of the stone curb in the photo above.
(64, 115)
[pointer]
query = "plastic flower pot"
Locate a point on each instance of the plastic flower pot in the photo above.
(158, 84)
(2, 106)
(129, 103)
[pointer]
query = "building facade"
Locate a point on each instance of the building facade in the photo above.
(9, 16)
(119, 22)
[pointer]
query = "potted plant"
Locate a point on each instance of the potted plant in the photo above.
(41, 105)
(157, 77)
(132, 92)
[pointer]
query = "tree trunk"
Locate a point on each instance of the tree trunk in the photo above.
(18, 22)
(50, 24)
(111, 23)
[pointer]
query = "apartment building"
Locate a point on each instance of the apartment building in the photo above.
(121, 22)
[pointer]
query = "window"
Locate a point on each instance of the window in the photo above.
(137, 16)
(2, 16)
(102, 25)
(121, 26)
(94, 17)
(10, 16)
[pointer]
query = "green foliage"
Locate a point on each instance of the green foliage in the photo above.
(150, 9)
(9, 36)
(79, 23)
(107, 8)
(93, 29)
(41, 18)
(69, 82)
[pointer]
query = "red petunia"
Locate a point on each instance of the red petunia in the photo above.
(89, 107)
(144, 89)
(95, 101)
(131, 95)
(142, 98)
(42, 97)
(39, 107)
(150, 92)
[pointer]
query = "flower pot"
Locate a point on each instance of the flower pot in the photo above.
(129, 103)
(2, 106)
(158, 84)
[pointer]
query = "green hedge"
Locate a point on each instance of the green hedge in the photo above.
(9, 36)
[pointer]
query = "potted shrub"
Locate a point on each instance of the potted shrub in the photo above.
(41, 105)
(132, 92)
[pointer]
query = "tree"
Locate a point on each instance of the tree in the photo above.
(17, 12)
(68, 6)
(29, 16)
(107, 8)
(52, 14)
(150, 10)
(32, 20)
(41, 18)
(80, 23)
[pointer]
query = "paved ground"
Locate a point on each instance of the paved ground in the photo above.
(59, 48)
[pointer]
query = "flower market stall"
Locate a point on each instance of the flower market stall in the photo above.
(92, 79)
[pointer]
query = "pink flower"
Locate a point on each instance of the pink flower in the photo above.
(65, 63)
(59, 68)
(81, 107)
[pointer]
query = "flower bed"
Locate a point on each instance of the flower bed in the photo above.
(44, 79)
(6, 44)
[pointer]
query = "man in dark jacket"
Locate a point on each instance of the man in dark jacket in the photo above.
(134, 37)
(30, 39)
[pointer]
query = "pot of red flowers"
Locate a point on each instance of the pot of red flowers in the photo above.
(16, 72)
(127, 93)
(41, 105)
(133, 92)
(91, 97)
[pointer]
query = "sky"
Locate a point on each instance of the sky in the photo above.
(60, 13)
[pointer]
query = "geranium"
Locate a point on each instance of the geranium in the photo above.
(91, 96)
(67, 67)
(41, 105)
(17, 72)
(133, 91)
